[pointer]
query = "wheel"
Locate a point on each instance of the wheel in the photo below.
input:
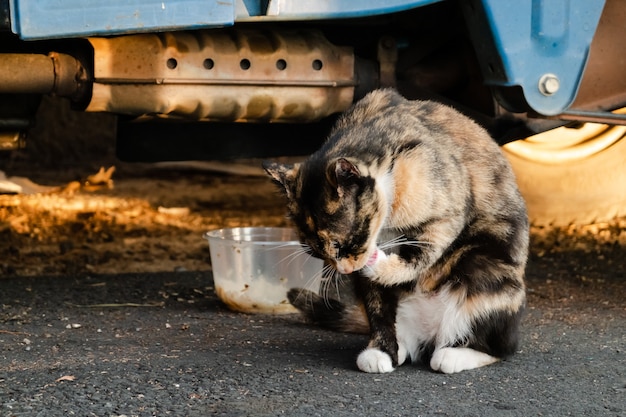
(572, 175)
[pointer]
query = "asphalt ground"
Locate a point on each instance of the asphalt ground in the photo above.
(162, 344)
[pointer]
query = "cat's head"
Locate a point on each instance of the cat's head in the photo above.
(337, 206)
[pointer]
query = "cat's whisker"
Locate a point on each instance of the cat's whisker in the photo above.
(295, 254)
(399, 238)
(415, 243)
(284, 245)
(310, 283)
(329, 276)
(324, 291)
(301, 248)
(337, 290)
(392, 242)
(320, 289)
(302, 292)
(403, 241)
(292, 255)
(325, 283)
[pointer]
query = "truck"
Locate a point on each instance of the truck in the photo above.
(224, 79)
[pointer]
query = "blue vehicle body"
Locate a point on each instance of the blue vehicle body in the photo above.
(41, 19)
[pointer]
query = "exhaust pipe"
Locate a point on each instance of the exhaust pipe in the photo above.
(55, 73)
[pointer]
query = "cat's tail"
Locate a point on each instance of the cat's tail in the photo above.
(328, 312)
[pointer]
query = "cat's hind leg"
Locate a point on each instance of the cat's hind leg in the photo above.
(450, 360)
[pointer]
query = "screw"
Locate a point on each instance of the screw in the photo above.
(549, 84)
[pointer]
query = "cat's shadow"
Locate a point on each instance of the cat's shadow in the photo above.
(332, 349)
(327, 347)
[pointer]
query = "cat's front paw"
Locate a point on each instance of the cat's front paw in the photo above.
(389, 270)
(374, 361)
(451, 360)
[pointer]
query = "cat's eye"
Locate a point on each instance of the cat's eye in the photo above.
(337, 248)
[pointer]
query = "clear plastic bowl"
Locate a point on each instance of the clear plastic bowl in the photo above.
(254, 267)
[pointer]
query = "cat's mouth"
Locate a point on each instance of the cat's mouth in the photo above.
(348, 266)
(344, 266)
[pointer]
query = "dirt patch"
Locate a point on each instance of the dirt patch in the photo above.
(149, 220)
(154, 222)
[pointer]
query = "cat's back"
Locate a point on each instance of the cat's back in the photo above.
(384, 121)
(491, 179)
(432, 143)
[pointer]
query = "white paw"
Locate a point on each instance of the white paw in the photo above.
(450, 360)
(374, 361)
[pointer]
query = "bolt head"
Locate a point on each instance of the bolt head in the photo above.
(549, 84)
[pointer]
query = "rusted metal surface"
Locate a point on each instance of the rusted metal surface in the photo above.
(26, 73)
(603, 86)
(228, 75)
(70, 77)
(54, 73)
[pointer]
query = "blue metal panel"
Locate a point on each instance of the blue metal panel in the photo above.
(38, 19)
(333, 9)
(41, 19)
(534, 39)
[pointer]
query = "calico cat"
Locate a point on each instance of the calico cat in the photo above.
(417, 204)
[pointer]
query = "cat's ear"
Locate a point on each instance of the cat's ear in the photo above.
(343, 175)
(346, 172)
(283, 174)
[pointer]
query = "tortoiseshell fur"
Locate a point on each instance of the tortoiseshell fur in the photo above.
(430, 187)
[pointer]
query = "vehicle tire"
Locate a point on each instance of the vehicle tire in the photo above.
(572, 175)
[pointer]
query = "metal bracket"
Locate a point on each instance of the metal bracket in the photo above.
(541, 46)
